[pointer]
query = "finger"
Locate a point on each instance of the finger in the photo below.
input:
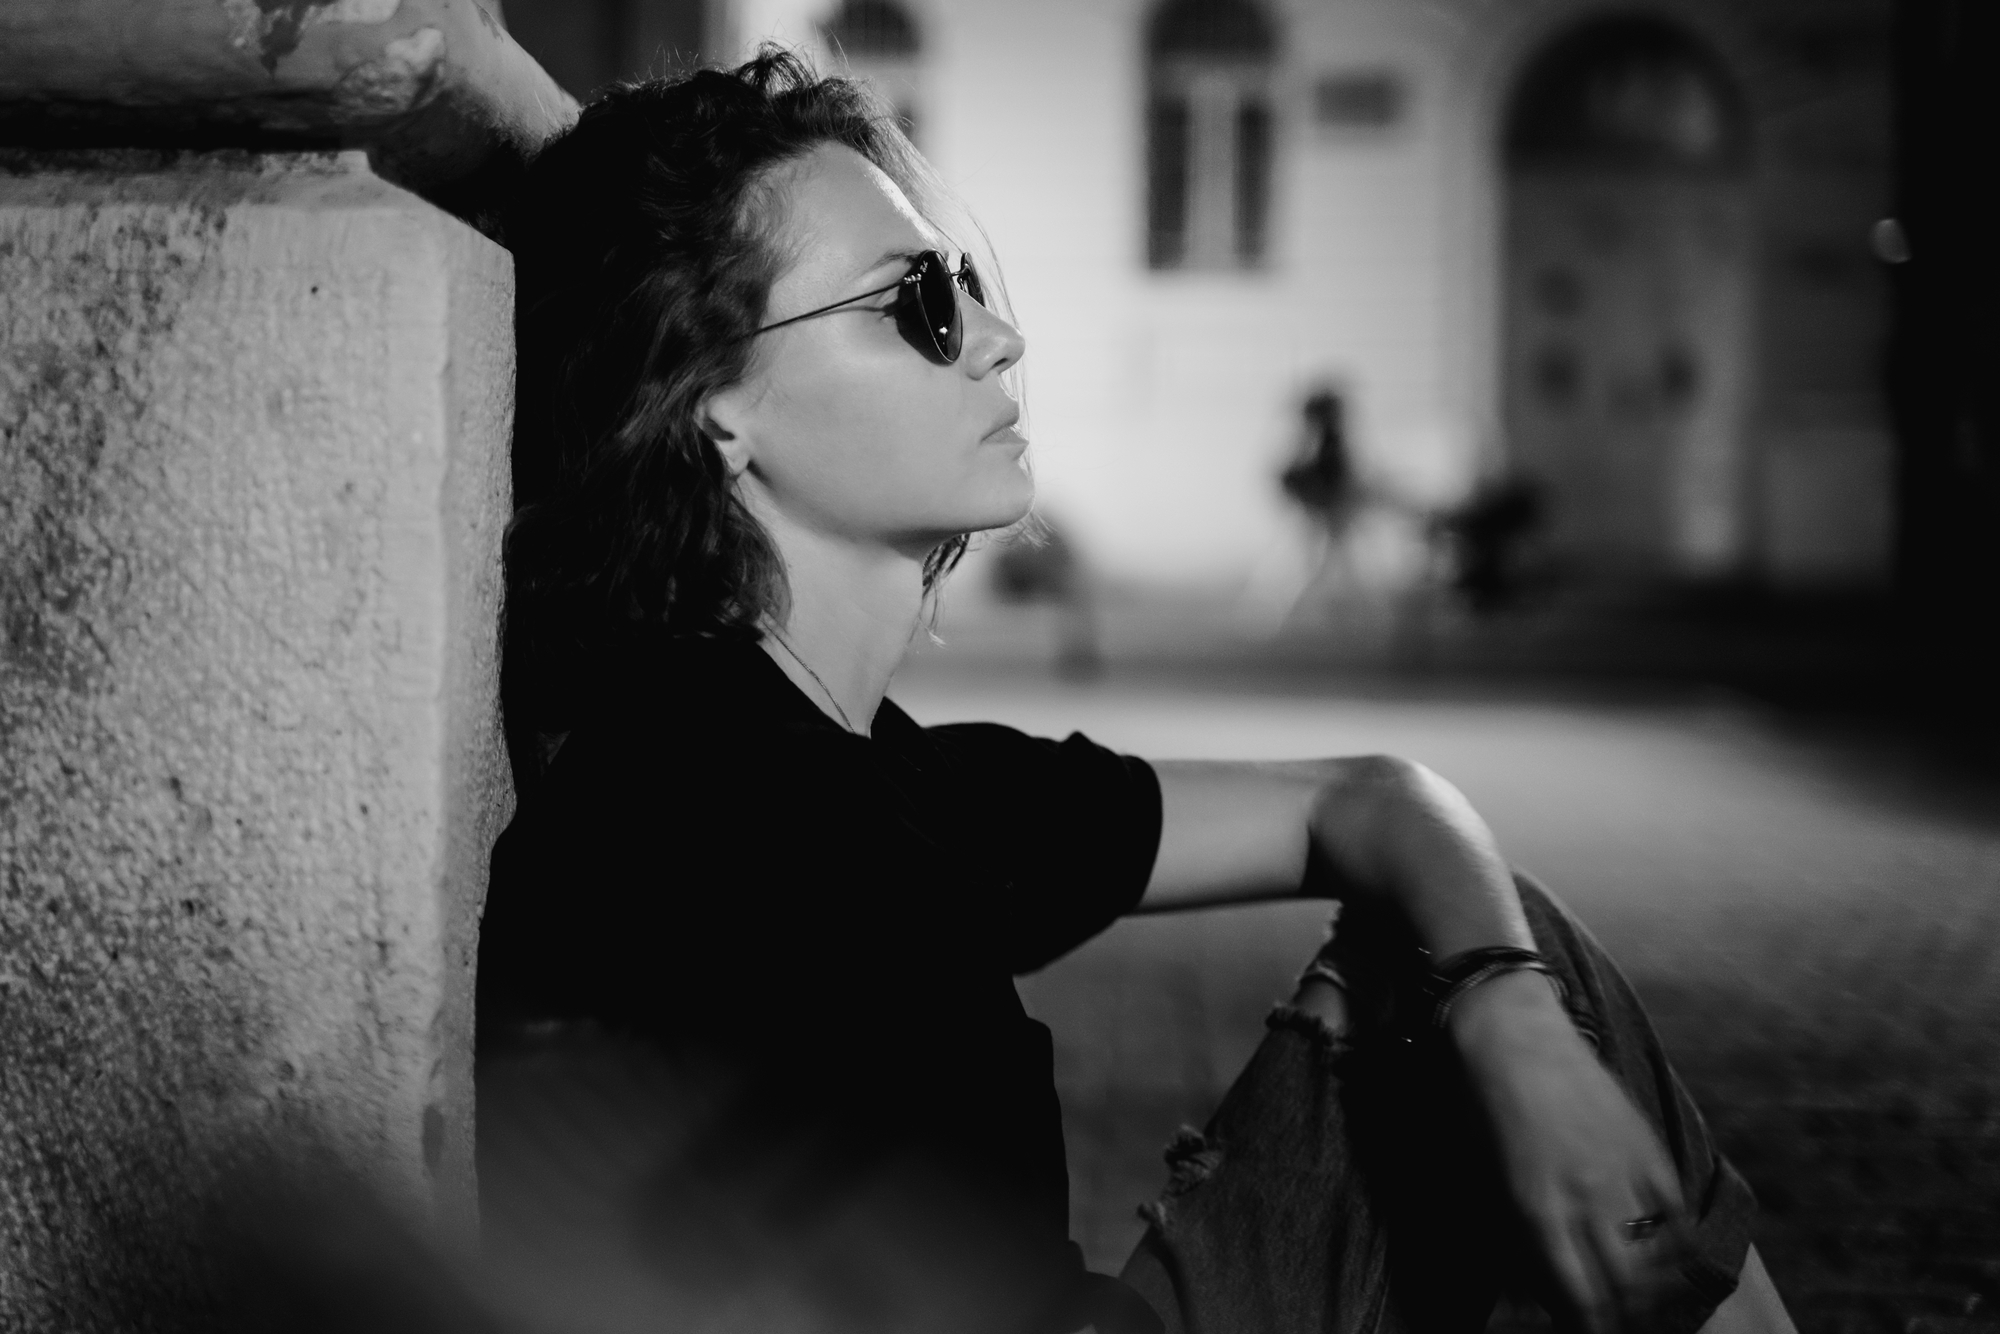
(1676, 1233)
(1663, 1198)
(1630, 1262)
(1645, 1248)
(1673, 1241)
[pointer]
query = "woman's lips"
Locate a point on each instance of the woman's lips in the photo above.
(1006, 435)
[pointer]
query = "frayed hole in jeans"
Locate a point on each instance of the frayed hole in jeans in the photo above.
(1191, 1159)
(1308, 1024)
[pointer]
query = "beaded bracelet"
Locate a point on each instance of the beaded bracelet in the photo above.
(1462, 972)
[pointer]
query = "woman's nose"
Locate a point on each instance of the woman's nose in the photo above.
(991, 342)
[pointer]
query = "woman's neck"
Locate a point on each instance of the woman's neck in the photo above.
(853, 610)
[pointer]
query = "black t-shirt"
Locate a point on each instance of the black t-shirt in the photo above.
(823, 929)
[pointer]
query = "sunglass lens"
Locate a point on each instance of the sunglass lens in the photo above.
(928, 313)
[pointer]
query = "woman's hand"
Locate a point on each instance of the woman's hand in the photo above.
(1577, 1156)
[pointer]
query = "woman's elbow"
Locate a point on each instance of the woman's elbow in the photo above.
(1376, 812)
(1388, 786)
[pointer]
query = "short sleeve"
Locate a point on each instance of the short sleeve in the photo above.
(1072, 826)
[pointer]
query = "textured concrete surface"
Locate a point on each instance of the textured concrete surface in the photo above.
(1813, 914)
(253, 425)
(444, 100)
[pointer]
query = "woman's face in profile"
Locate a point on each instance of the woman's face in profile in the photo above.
(840, 423)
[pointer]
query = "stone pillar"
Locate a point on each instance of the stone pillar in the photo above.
(254, 410)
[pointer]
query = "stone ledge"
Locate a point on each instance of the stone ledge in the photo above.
(443, 100)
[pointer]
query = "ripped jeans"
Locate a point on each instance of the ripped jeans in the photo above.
(1346, 1183)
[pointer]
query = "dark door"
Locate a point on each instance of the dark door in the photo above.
(1627, 299)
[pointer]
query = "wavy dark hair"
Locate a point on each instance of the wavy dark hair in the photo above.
(643, 248)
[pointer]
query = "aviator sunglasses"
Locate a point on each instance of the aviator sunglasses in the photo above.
(927, 311)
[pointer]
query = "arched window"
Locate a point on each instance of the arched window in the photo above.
(1208, 134)
(1627, 92)
(881, 43)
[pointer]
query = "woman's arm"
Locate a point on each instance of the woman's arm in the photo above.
(1578, 1157)
(1383, 828)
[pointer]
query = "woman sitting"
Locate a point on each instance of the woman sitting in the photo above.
(763, 401)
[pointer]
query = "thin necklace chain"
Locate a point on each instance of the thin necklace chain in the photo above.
(831, 698)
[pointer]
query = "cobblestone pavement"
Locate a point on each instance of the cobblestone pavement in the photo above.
(1813, 913)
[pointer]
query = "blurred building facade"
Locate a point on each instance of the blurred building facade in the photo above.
(1630, 254)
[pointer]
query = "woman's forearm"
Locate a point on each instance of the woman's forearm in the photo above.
(1380, 827)
(1392, 830)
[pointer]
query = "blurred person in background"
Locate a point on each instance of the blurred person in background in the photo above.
(764, 397)
(1320, 479)
(1320, 476)
(1487, 539)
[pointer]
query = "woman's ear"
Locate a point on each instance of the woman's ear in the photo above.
(719, 418)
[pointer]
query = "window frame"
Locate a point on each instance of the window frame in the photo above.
(1212, 125)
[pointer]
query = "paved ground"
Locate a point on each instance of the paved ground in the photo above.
(1812, 912)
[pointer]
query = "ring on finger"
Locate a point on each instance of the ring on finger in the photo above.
(1643, 1229)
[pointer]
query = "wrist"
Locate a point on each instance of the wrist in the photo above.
(1503, 1011)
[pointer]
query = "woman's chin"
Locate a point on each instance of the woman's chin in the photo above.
(1009, 505)
(1002, 499)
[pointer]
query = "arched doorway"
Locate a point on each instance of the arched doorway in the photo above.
(1627, 298)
